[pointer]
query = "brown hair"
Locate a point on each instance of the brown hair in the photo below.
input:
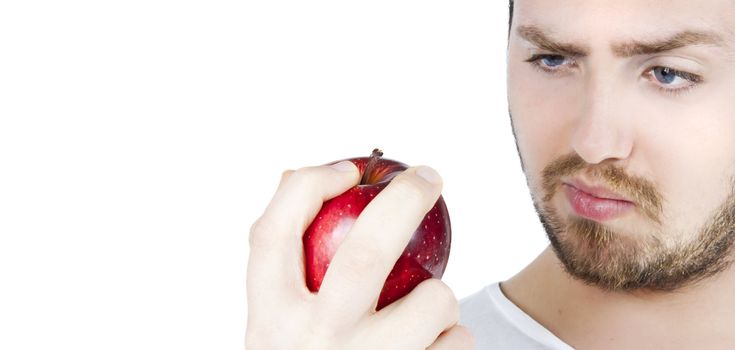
(510, 16)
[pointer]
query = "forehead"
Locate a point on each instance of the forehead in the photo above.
(612, 20)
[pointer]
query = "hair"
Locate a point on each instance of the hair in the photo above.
(510, 16)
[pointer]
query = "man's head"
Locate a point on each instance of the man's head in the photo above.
(636, 97)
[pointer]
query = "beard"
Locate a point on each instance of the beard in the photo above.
(647, 261)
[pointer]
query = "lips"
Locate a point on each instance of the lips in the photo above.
(597, 191)
(596, 203)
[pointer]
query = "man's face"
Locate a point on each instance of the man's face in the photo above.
(637, 97)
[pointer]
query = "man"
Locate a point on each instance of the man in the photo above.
(630, 100)
(624, 117)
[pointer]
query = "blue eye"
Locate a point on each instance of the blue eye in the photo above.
(668, 75)
(672, 81)
(552, 60)
(665, 79)
(665, 75)
(550, 63)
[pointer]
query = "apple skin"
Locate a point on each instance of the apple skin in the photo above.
(424, 257)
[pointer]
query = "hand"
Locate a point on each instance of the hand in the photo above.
(284, 314)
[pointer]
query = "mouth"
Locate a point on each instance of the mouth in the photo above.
(596, 203)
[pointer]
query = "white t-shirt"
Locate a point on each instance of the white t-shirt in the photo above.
(497, 323)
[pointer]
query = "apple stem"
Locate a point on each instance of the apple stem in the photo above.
(370, 165)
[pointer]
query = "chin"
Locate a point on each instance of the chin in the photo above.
(597, 255)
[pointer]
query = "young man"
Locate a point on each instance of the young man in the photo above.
(633, 101)
(624, 117)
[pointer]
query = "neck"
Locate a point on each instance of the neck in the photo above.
(587, 317)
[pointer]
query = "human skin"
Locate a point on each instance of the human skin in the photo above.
(284, 314)
(607, 110)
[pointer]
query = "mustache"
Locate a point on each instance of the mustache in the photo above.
(638, 189)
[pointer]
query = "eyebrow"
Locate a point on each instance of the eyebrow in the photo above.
(632, 48)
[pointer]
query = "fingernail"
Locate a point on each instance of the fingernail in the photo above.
(429, 174)
(343, 166)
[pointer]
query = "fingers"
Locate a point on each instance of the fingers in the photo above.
(456, 338)
(302, 192)
(361, 264)
(275, 238)
(430, 309)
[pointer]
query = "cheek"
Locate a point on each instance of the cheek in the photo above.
(542, 109)
(690, 153)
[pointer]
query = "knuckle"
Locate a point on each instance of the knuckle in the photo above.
(409, 189)
(361, 258)
(443, 299)
(261, 233)
(285, 175)
(304, 176)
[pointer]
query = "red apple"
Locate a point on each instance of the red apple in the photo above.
(424, 257)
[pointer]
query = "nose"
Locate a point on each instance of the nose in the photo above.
(602, 130)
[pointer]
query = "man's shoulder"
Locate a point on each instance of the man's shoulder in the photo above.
(497, 323)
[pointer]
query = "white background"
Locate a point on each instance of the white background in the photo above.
(140, 139)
